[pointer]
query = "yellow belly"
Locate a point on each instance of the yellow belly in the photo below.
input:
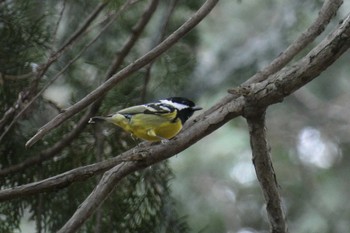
(149, 127)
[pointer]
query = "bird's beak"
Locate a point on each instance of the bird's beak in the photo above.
(196, 108)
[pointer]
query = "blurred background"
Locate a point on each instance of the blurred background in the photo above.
(210, 187)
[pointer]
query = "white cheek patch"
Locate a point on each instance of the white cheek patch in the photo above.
(175, 105)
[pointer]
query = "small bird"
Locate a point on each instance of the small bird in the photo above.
(157, 121)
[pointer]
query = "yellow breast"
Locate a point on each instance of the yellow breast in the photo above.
(149, 127)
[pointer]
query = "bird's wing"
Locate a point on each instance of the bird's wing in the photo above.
(132, 110)
(152, 108)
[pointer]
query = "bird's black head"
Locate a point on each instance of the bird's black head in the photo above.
(184, 106)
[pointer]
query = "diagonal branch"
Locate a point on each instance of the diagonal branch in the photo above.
(133, 67)
(59, 20)
(77, 34)
(260, 95)
(80, 126)
(62, 180)
(310, 67)
(327, 12)
(95, 199)
(52, 80)
(43, 68)
(130, 42)
(49, 152)
(264, 170)
(73, 39)
(158, 37)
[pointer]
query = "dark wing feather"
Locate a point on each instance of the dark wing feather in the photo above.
(152, 108)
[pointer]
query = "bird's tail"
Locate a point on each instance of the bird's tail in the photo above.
(96, 119)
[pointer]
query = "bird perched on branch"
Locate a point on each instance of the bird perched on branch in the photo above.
(157, 121)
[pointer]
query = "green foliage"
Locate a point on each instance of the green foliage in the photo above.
(142, 202)
(11, 213)
(23, 36)
(171, 73)
(215, 185)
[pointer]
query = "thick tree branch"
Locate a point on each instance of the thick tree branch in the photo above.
(265, 93)
(264, 170)
(308, 67)
(133, 67)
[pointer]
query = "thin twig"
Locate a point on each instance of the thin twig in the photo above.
(59, 20)
(121, 75)
(77, 34)
(73, 39)
(286, 82)
(134, 36)
(110, 179)
(327, 12)
(50, 152)
(61, 180)
(95, 199)
(70, 136)
(49, 83)
(163, 24)
(22, 96)
(264, 170)
(53, 57)
(18, 77)
(106, 18)
(9, 114)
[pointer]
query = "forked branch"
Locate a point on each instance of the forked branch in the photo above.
(266, 93)
(133, 67)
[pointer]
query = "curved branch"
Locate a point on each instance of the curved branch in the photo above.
(133, 67)
(259, 96)
(265, 93)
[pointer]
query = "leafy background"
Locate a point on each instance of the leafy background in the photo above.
(211, 187)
